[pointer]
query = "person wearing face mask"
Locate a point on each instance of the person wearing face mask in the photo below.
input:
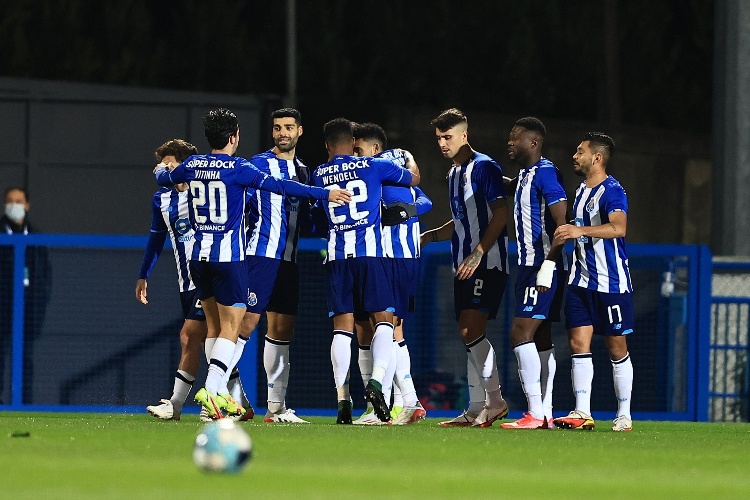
(37, 284)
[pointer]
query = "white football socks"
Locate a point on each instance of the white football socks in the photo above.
(549, 368)
(221, 357)
(403, 378)
(382, 350)
(239, 348)
(183, 382)
(622, 373)
(477, 394)
(276, 363)
(582, 374)
(529, 371)
(486, 365)
(390, 373)
(341, 355)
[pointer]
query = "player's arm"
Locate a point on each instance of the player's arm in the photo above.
(559, 212)
(616, 228)
(168, 178)
(156, 239)
(442, 233)
(510, 184)
(411, 164)
(252, 177)
(422, 201)
(495, 227)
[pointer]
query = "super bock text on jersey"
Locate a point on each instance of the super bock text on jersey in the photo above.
(354, 228)
(217, 201)
(472, 187)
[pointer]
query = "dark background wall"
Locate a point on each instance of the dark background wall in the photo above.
(640, 70)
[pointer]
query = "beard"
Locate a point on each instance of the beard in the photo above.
(285, 148)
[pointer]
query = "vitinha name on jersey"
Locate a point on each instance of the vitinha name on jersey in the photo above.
(213, 163)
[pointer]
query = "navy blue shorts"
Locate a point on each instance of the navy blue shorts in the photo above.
(360, 284)
(609, 313)
(191, 305)
(274, 285)
(225, 281)
(405, 276)
(483, 291)
(538, 305)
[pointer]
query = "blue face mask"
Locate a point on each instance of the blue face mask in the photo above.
(15, 212)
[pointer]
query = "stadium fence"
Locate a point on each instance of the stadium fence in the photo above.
(74, 338)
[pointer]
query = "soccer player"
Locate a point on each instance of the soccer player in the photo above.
(273, 233)
(540, 206)
(170, 217)
(217, 185)
(358, 273)
(403, 206)
(599, 299)
(479, 247)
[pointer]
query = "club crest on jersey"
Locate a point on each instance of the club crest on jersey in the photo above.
(458, 209)
(591, 205)
(252, 299)
(182, 225)
(524, 181)
(462, 180)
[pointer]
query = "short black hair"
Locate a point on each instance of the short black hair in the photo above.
(601, 143)
(219, 125)
(371, 132)
(288, 113)
(532, 124)
(337, 131)
(16, 188)
(178, 148)
(449, 119)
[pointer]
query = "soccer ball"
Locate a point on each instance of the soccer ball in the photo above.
(222, 446)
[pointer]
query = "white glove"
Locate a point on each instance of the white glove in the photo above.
(545, 274)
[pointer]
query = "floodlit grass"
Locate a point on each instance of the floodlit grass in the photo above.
(97, 456)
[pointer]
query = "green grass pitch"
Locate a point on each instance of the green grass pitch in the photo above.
(100, 456)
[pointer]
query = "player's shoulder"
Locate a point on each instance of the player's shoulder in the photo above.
(484, 162)
(264, 156)
(610, 183)
(545, 164)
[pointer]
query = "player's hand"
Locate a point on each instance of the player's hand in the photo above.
(140, 291)
(161, 165)
(466, 268)
(339, 196)
(568, 232)
(393, 216)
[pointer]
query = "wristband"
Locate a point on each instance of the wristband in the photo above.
(545, 274)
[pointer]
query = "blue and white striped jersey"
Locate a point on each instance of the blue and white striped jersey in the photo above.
(539, 187)
(600, 263)
(472, 187)
(169, 216)
(354, 229)
(216, 201)
(402, 241)
(272, 229)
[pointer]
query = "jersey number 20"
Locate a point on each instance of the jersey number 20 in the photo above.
(215, 196)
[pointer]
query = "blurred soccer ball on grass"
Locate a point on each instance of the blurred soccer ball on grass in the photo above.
(222, 446)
